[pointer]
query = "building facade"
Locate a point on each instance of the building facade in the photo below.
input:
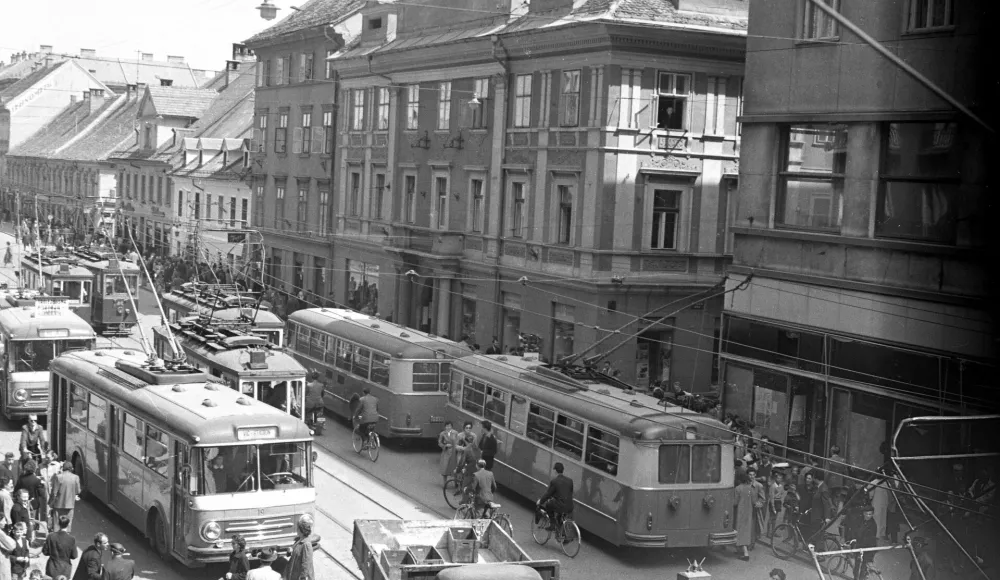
(497, 176)
(860, 224)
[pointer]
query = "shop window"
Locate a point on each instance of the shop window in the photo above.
(885, 366)
(784, 346)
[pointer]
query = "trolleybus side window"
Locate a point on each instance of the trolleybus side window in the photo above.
(380, 368)
(78, 404)
(426, 377)
(345, 352)
(495, 409)
(473, 396)
(602, 450)
(292, 329)
(362, 358)
(706, 464)
(132, 436)
(331, 350)
(569, 436)
(317, 346)
(443, 374)
(541, 424)
(675, 463)
(157, 454)
(455, 393)
(97, 416)
(303, 339)
(518, 414)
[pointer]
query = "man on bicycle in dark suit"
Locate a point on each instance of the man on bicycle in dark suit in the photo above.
(367, 413)
(558, 498)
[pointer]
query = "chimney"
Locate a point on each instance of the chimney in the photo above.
(140, 88)
(130, 92)
(96, 99)
(88, 52)
(48, 61)
(175, 59)
(46, 49)
(232, 71)
(147, 56)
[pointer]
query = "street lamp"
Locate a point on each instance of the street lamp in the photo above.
(268, 11)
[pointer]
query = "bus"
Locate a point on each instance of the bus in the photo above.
(224, 304)
(646, 475)
(31, 336)
(59, 276)
(407, 370)
(245, 361)
(116, 285)
(187, 461)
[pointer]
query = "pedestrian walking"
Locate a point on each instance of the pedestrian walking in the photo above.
(239, 564)
(31, 483)
(743, 508)
(118, 568)
(488, 442)
(300, 561)
(6, 501)
(20, 556)
(61, 549)
(65, 493)
(8, 257)
(270, 568)
(448, 442)
(9, 468)
(94, 559)
(21, 512)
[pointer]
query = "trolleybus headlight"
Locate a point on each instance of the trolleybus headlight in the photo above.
(211, 531)
(20, 395)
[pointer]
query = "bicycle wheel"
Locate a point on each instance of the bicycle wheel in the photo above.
(540, 528)
(373, 446)
(784, 542)
(571, 539)
(503, 520)
(357, 441)
(837, 564)
(452, 487)
(465, 512)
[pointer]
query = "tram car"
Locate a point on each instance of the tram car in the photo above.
(245, 361)
(115, 299)
(647, 475)
(406, 369)
(60, 275)
(224, 303)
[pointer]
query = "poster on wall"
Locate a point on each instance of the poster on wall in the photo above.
(769, 413)
(797, 421)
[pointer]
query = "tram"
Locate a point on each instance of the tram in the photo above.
(185, 460)
(245, 361)
(647, 475)
(224, 303)
(116, 284)
(60, 275)
(406, 369)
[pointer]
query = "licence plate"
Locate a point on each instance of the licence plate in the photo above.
(435, 419)
(249, 434)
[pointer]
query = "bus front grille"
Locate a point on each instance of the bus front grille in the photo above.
(262, 528)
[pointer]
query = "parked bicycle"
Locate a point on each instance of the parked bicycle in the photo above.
(565, 529)
(467, 511)
(787, 539)
(843, 564)
(371, 443)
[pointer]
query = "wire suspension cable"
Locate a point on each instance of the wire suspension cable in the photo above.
(174, 346)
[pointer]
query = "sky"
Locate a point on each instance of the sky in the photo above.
(202, 31)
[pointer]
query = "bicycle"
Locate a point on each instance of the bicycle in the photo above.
(787, 539)
(843, 564)
(370, 443)
(566, 531)
(467, 511)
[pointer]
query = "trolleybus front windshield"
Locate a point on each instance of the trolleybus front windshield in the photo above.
(35, 355)
(249, 468)
(114, 284)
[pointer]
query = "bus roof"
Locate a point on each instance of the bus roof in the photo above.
(633, 415)
(60, 270)
(205, 412)
(103, 261)
(232, 350)
(260, 317)
(25, 323)
(393, 339)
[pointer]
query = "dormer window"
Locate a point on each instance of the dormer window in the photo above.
(166, 82)
(374, 23)
(149, 137)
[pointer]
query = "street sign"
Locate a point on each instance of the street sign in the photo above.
(237, 237)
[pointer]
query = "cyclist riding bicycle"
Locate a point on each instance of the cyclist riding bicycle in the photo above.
(483, 486)
(314, 394)
(33, 438)
(558, 498)
(367, 415)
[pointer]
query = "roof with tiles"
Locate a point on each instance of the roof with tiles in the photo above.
(180, 102)
(666, 11)
(110, 134)
(117, 72)
(311, 14)
(75, 119)
(26, 82)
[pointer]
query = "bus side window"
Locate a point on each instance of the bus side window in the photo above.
(541, 424)
(157, 452)
(569, 436)
(78, 404)
(602, 450)
(455, 393)
(495, 409)
(97, 416)
(291, 335)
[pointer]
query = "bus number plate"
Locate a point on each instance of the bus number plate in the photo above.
(251, 433)
(435, 419)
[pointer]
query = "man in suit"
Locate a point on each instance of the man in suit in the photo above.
(65, 487)
(93, 560)
(484, 486)
(488, 442)
(60, 547)
(119, 568)
(9, 467)
(558, 498)
(822, 503)
(864, 535)
(367, 411)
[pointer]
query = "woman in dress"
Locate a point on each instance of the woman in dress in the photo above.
(447, 441)
(746, 497)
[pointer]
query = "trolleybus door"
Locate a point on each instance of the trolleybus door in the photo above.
(184, 484)
(57, 414)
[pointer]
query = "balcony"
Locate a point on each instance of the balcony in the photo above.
(437, 243)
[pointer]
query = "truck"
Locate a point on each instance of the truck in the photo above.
(443, 550)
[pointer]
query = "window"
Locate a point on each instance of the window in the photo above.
(307, 131)
(159, 190)
(430, 377)
(97, 416)
(357, 109)
(330, 70)
(919, 182)
(208, 206)
(563, 330)
(602, 450)
(412, 106)
(78, 405)
(476, 185)
(812, 180)
(220, 210)
(244, 207)
(380, 368)
(157, 453)
(565, 232)
(517, 209)
(569, 100)
(133, 437)
(410, 198)
(262, 132)
(816, 24)
(444, 106)
(541, 424)
(302, 216)
(675, 464)
(279, 72)
(482, 93)
(324, 211)
(232, 212)
(569, 436)
(666, 207)
(925, 14)
(495, 409)
(345, 354)
(441, 187)
(361, 362)
(180, 203)
(197, 206)
(522, 101)
(328, 132)
(671, 100)
(382, 118)
(355, 193)
(306, 66)
(706, 464)
(258, 206)
(379, 195)
(148, 138)
(143, 183)
(264, 73)
(473, 396)
(281, 133)
(374, 23)
(279, 207)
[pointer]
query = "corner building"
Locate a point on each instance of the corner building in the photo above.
(861, 218)
(543, 174)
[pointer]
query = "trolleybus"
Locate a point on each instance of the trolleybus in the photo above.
(224, 304)
(31, 336)
(116, 284)
(187, 461)
(646, 475)
(60, 276)
(245, 361)
(406, 369)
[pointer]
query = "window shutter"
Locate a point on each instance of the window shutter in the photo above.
(255, 144)
(297, 140)
(317, 139)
